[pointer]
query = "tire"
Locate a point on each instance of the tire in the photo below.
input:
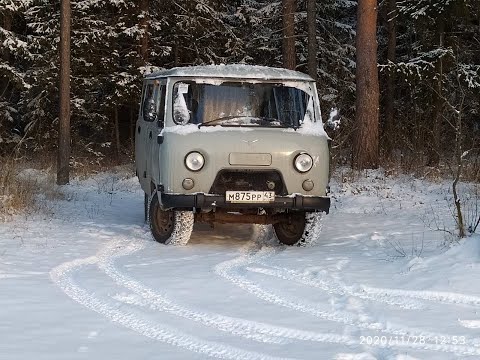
(169, 227)
(303, 232)
(145, 208)
(263, 235)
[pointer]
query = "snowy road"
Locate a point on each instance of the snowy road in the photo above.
(86, 281)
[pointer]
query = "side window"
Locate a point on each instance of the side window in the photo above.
(150, 102)
(161, 110)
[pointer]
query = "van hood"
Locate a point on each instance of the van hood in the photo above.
(245, 139)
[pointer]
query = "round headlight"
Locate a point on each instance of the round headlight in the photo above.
(194, 161)
(303, 163)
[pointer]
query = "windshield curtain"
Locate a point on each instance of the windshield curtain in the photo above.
(237, 104)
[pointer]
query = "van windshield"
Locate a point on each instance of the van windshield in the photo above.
(240, 104)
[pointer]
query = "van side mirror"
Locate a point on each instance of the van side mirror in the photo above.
(181, 115)
(149, 110)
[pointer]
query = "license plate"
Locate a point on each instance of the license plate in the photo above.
(250, 196)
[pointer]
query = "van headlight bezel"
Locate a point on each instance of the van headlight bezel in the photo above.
(303, 163)
(194, 161)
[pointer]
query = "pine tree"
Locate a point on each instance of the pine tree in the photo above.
(14, 60)
(63, 153)
(365, 147)
(312, 38)
(115, 42)
(288, 43)
(435, 45)
(199, 32)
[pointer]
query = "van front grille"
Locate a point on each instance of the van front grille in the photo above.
(248, 180)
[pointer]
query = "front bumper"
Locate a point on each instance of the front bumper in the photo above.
(297, 202)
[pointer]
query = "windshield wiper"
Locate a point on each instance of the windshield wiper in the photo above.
(221, 119)
(256, 120)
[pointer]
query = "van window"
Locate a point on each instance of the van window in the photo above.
(150, 102)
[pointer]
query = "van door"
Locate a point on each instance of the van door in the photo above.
(156, 128)
(140, 164)
(143, 136)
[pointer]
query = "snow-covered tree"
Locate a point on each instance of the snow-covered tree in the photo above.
(433, 36)
(14, 60)
(115, 42)
(335, 25)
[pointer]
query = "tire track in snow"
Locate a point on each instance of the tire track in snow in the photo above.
(230, 270)
(334, 287)
(61, 276)
(434, 296)
(253, 330)
(471, 324)
(386, 295)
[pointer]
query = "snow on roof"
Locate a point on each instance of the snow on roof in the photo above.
(233, 71)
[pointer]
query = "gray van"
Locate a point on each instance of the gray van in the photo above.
(232, 144)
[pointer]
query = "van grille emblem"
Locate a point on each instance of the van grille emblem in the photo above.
(250, 142)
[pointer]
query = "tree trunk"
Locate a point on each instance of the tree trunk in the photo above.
(117, 131)
(312, 38)
(63, 157)
(389, 132)
(365, 144)
(176, 52)
(132, 128)
(458, 173)
(144, 26)
(288, 46)
(434, 148)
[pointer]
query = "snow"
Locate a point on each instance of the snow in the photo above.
(309, 128)
(192, 128)
(240, 71)
(334, 120)
(82, 279)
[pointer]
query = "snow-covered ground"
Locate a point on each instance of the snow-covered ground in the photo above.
(82, 279)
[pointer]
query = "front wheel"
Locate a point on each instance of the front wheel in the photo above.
(169, 227)
(145, 208)
(303, 230)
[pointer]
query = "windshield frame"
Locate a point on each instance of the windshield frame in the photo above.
(308, 87)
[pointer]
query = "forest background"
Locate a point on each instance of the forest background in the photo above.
(428, 62)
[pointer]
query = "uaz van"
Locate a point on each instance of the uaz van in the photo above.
(232, 144)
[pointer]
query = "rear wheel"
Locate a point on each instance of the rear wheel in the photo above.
(169, 226)
(303, 230)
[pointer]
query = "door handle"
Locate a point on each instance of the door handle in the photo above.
(150, 135)
(139, 129)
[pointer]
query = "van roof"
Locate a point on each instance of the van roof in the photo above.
(233, 71)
